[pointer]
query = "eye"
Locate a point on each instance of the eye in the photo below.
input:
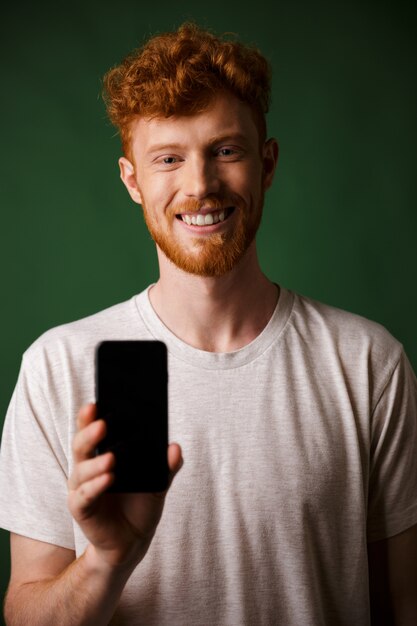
(226, 152)
(167, 161)
(230, 153)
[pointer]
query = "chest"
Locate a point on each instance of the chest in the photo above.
(269, 439)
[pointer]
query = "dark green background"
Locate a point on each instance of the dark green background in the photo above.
(340, 222)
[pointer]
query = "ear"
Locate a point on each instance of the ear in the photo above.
(127, 174)
(270, 160)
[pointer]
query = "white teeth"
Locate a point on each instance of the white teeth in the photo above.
(204, 220)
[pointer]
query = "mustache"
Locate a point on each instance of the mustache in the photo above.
(214, 202)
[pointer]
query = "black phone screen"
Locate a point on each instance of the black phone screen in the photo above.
(132, 397)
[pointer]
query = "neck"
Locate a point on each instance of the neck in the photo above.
(218, 314)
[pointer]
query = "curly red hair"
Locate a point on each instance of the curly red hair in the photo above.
(179, 73)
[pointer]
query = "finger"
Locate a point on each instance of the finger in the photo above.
(87, 439)
(81, 501)
(87, 470)
(86, 415)
(175, 460)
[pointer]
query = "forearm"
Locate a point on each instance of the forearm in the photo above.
(86, 593)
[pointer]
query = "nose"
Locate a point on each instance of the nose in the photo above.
(200, 177)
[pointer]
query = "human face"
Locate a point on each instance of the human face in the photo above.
(201, 181)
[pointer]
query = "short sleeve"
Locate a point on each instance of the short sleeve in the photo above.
(392, 499)
(34, 467)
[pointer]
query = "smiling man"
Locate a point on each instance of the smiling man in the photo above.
(297, 501)
(208, 174)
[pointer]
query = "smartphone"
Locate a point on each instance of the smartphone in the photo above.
(132, 397)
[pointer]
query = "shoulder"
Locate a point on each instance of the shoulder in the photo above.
(78, 338)
(332, 335)
(341, 326)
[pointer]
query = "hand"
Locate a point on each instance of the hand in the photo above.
(119, 526)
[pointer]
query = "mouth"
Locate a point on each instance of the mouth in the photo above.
(206, 219)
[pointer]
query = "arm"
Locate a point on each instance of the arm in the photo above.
(393, 579)
(48, 584)
(46, 579)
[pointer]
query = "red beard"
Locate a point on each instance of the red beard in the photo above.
(214, 254)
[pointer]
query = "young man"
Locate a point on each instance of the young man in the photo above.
(297, 501)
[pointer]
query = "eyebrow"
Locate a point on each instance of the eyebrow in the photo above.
(227, 137)
(163, 146)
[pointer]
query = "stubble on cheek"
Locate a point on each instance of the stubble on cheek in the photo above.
(213, 255)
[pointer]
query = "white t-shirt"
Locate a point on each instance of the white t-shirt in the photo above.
(299, 449)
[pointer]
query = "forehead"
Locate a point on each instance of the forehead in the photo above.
(226, 116)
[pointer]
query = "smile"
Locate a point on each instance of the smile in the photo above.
(207, 219)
